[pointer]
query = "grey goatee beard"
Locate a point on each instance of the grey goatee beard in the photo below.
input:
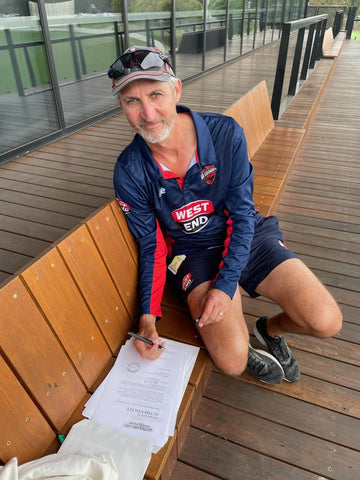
(157, 137)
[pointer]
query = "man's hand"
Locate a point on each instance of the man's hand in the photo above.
(147, 329)
(216, 304)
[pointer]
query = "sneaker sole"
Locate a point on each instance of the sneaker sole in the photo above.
(267, 354)
(262, 341)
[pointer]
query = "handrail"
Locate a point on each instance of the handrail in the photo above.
(316, 26)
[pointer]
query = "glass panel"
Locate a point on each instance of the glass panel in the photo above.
(216, 33)
(149, 23)
(249, 25)
(279, 12)
(86, 37)
(265, 23)
(26, 99)
(260, 19)
(189, 37)
(235, 26)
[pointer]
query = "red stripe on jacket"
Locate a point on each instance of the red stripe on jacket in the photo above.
(159, 272)
(229, 230)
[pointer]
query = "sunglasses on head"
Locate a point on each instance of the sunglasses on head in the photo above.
(139, 60)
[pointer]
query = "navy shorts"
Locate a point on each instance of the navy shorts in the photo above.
(268, 250)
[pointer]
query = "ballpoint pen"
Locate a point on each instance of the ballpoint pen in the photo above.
(143, 339)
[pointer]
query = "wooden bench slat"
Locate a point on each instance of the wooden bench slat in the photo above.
(256, 125)
(119, 261)
(36, 355)
(24, 431)
(64, 307)
(86, 265)
(130, 240)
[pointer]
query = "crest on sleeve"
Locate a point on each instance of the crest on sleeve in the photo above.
(208, 174)
(124, 206)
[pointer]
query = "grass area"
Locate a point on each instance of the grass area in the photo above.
(99, 53)
(355, 35)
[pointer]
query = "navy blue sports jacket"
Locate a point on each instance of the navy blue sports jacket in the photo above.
(211, 206)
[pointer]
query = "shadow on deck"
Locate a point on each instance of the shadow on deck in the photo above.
(243, 429)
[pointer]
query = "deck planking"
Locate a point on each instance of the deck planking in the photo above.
(243, 429)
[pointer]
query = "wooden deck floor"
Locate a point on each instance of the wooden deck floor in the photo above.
(243, 429)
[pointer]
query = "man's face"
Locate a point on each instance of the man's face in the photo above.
(150, 107)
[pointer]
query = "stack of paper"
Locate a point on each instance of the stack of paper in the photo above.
(141, 397)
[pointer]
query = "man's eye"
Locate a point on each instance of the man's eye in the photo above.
(131, 100)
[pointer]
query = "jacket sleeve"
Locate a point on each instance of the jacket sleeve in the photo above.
(241, 217)
(134, 199)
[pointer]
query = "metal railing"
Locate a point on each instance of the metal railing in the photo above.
(316, 29)
(350, 21)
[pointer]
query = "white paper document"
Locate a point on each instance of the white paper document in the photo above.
(141, 397)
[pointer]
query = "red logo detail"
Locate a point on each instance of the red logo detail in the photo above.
(187, 281)
(193, 216)
(124, 206)
(208, 174)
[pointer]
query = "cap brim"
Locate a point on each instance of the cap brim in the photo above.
(141, 75)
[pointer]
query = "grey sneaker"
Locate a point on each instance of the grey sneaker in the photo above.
(264, 366)
(279, 349)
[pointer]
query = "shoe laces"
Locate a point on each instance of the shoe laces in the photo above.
(255, 362)
(280, 348)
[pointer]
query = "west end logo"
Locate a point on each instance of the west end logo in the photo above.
(194, 216)
(208, 174)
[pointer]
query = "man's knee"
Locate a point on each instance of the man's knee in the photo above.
(329, 322)
(233, 363)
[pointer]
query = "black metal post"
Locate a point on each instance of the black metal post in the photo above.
(296, 62)
(29, 67)
(125, 20)
(307, 54)
(315, 48)
(51, 62)
(204, 37)
(117, 42)
(148, 33)
(14, 63)
(231, 26)
(274, 22)
(173, 35)
(255, 23)
(82, 56)
(280, 70)
(350, 21)
(74, 53)
(337, 22)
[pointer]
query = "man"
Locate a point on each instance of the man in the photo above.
(185, 184)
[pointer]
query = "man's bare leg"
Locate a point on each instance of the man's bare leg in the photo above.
(308, 308)
(227, 341)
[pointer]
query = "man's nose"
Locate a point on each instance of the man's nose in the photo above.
(147, 112)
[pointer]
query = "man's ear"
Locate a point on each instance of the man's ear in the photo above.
(118, 100)
(177, 90)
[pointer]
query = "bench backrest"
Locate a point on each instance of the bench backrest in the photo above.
(62, 320)
(253, 114)
(327, 41)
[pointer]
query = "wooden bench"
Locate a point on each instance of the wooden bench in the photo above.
(331, 46)
(65, 316)
(272, 149)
